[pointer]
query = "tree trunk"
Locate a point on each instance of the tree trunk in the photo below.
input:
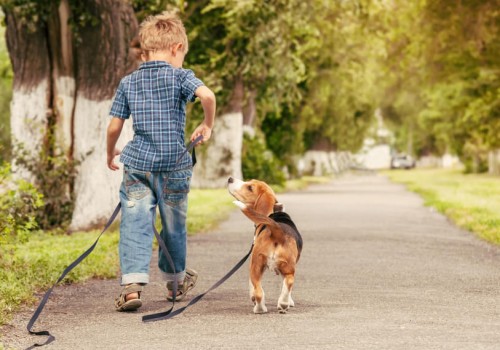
(28, 50)
(494, 162)
(221, 157)
(63, 87)
(250, 110)
(103, 57)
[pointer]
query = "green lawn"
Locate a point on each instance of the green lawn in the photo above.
(471, 201)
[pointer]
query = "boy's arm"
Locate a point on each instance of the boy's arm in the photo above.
(114, 130)
(207, 98)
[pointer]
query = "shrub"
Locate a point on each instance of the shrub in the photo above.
(259, 163)
(19, 203)
(54, 175)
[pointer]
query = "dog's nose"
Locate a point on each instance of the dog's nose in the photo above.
(230, 180)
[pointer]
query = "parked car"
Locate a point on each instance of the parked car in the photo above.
(402, 161)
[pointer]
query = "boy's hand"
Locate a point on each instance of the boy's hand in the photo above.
(207, 99)
(114, 129)
(204, 130)
(111, 159)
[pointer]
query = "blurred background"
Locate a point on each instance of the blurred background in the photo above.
(303, 88)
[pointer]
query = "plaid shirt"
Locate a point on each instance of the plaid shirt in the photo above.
(155, 95)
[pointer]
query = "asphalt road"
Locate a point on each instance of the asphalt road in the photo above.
(378, 271)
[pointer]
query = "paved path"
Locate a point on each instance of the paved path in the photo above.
(378, 271)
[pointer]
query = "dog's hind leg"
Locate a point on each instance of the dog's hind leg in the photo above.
(285, 300)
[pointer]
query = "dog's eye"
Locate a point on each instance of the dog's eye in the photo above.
(250, 188)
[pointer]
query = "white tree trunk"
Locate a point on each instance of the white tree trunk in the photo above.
(221, 156)
(67, 87)
(494, 162)
(28, 118)
(96, 187)
(64, 102)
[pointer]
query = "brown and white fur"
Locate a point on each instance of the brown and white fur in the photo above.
(274, 246)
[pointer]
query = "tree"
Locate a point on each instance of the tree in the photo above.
(339, 101)
(246, 51)
(465, 62)
(68, 58)
(443, 88)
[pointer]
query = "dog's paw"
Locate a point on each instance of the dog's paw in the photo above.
(283, 307)
(259, 309)
(240, 205)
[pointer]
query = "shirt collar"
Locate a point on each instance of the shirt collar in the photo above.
(154, 64)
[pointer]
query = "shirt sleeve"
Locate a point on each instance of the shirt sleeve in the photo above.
(120, 107)
(189, 85)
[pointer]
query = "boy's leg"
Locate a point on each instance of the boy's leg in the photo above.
(136, 234)
(174, 187)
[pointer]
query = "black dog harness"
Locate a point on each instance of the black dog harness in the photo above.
(287, 225)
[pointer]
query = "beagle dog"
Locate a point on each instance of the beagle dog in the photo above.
(277, 242)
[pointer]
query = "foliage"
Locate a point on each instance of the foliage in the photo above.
(444, 76)
(259, 163)
(19, 203)
(308, 83)
(30, 11)
(260, 42)
(340, 89)
(471, 201)
(34, 12)
(145, 8)
(284, 137)
(53, 176)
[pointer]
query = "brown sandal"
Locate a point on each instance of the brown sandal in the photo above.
(122, 304)
(182, 288)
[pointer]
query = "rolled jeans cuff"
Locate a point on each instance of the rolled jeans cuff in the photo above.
(135, 278)
(168, 277)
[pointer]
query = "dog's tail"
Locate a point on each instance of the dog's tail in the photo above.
(259, 219)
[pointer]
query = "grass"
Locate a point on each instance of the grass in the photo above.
(33, 266)
(207, 208)
(302, 183)
(471, 201)
(26, 269)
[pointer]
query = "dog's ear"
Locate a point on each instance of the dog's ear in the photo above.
(265, 203)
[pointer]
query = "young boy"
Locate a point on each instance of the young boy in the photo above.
(156, 96)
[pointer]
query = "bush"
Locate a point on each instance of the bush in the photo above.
(19, 203)
(259, 163)
(54, 175)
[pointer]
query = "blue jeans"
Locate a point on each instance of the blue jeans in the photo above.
(140, 193)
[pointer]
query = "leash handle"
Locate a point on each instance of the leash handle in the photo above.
(190, 147)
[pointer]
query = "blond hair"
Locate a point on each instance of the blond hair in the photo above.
(162, 31)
